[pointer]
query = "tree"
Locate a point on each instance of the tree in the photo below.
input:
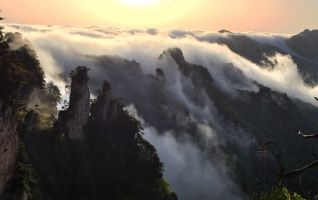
(278, 193)
(296, 173)
(11, 74)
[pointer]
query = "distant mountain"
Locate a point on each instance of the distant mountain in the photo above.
(264, 114)
(305, 44)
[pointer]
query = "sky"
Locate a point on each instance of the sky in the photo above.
(276, 16)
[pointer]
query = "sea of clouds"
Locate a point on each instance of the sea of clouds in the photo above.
(188, 167)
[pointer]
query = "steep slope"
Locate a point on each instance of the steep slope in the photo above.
(266, 114)
(131, 168)
(243, 118)
(8, 141)
(20, 74)
(109, 159)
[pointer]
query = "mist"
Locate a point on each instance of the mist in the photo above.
(186, 128)
(60, 47)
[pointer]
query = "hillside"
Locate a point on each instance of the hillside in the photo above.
(92, 150)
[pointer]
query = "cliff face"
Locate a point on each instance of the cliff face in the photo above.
(78, 112)
(8, 143)
(106, 105)
(72, 120)
(21, 80)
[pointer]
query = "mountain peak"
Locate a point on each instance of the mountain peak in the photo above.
(225, 31)
(174, 53)
(71, 121)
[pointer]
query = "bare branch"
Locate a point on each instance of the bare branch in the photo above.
(311, 191)
(298, 172)
(307, 136)
(282, 176)
(314, 156)
(263, 171)
(277, 155)
(302, 187)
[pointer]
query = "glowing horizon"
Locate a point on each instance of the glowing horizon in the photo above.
(245, 15)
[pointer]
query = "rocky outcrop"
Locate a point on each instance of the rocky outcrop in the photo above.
(106, 105)
(199, 75)
(80, 114)
(104, 109)
(78, 111)
(176, 54)
(8, 142)
(72, 121)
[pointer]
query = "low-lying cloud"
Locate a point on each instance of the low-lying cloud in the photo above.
(192, 171)
(58, 47)
(196, 170)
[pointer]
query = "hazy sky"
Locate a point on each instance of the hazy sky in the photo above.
(280, 16)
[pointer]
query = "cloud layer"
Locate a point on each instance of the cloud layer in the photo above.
(195, 170)
(56, 46)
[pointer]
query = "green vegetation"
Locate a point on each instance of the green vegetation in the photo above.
(23, 174)
(80, 73)
(113, 162)
(117, 164)
(11, 73)
(278, 193)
